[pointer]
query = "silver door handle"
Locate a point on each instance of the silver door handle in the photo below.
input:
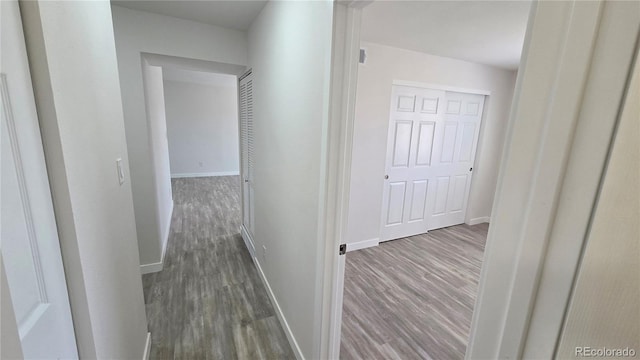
(246, 180)
(386, 177)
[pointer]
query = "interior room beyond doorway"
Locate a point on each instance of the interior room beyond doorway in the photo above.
(202, 123)
(430, 122)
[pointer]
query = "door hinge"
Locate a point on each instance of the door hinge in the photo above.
(343, 249)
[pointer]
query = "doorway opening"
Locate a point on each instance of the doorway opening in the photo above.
(430, 123)
(198, 126)
(192, 121)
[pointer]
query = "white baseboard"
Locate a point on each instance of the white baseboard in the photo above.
(205, 174)
(167, 232)
(155, 267)
(147, 348)
(479, 220)
(150, 268)
(362, 244)
(283, 322)
(248, 241)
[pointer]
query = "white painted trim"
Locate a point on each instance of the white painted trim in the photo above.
(356, 4)
(337, 177)
(151, 268)
(576, 56)
(205, 174)
(155, 267)
(147, 348)
(283, 321)
(362, 244)
(440, 87)
(248, 240)
(167, 231)
(479, 220)
(608, 80)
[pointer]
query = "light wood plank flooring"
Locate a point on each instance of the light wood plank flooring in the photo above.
(208, 302)
(412, 298)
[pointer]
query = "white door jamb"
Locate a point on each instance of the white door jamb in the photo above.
(570, 85)
(337, 175)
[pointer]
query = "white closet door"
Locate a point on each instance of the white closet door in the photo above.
(414, 118)
(29, 236)
(248, 152)
(430, 151)
(453, 157)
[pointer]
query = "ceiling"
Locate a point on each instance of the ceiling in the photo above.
(238, 14)
(485, 32)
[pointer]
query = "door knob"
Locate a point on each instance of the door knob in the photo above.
(246, 180)
(386, 177)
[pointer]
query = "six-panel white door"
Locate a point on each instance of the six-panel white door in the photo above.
(29, 237)
(412, 128)
(452, 165)
(431, 147)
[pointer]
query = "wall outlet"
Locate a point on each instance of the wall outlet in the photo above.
(264, 252)
(120, 171)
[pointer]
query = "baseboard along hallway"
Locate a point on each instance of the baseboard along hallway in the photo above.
(208, 302)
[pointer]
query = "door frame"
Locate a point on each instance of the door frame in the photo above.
(442, 87)
(434, 86)
(574, 65)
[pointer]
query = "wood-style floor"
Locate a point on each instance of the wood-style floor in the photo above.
(412, 298)
(208, 302)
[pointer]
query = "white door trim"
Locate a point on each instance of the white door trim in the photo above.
(538, 145)
(441, 87)
(547, 54)
(570, 85)
(337, 176)
(610, 73)
(147, 347)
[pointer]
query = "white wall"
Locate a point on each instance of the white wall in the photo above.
(289, 51)
(202, 124)
(74, 69)
(155, 106)
(137, 32)
(385, 64)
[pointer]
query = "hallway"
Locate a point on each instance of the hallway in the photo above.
(208, 302)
